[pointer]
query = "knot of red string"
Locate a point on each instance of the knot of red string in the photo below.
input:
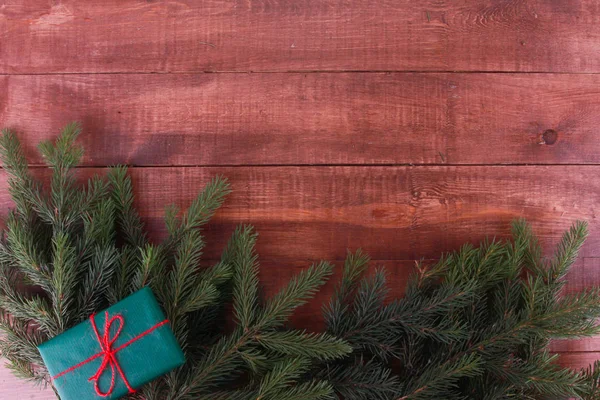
(109, 353)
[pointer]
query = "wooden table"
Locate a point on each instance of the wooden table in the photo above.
(403, 127)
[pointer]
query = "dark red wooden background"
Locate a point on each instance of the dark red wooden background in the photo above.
(403, 127)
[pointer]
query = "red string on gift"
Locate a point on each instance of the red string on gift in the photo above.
(109, 353)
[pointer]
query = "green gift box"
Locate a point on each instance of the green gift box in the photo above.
(114, 352)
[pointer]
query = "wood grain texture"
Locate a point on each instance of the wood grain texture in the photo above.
(578, 360)
(38, 36)
(325, 118)
(393, 213)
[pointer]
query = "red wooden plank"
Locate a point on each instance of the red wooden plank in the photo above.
(186, 35)
(393, 213)
(578, 360)
(329, 118)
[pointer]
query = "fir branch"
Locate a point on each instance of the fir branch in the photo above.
(363, 380)
(281, 376)
(206, 204)
(337, 310)
(33, 308)
(201, 210)
(296, 293)
(302, 344)
(150, 268)
(138, 259)
(181, 288)
(24, 249)
(311, 390)
(64, 276)
(96, 281)
(541, 376)
(590, 377)
(62, 157)
(25, 370)
(525, 250)
(129, 221)
(441, 380)
(567, 250)
(20, 341)
(24, 190)
(245, 281)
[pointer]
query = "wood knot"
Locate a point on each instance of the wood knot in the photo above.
(550, 136)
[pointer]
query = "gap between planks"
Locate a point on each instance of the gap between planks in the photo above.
(370, 165)
(300, 71)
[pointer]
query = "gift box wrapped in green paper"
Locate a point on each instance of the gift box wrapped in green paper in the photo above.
(113, 353)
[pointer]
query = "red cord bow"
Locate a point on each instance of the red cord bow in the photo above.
(109, 353)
